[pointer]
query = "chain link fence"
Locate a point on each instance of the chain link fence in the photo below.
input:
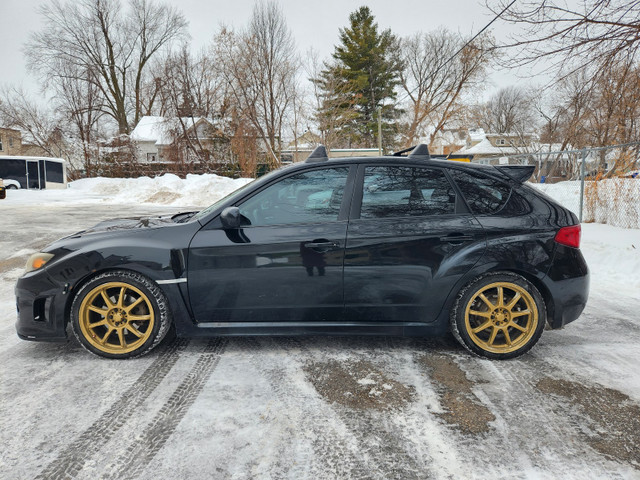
(598, 184)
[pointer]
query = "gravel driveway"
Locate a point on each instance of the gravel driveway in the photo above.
(313, 407)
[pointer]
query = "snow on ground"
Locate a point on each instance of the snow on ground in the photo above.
(613, 201)
(168, 189)
(314, 407)
(613, 256)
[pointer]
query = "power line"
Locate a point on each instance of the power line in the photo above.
(466, 44)
(478, 34)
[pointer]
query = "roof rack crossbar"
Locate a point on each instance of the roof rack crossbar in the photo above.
(400, 153)
(421, 152)
(319, 154)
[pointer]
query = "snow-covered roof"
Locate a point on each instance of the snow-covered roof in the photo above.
(511, 135)
(161, 129)
(485, 148)
(477, 135)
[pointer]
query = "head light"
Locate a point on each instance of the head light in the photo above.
(37, 260)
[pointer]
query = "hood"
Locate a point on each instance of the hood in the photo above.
(132, 223)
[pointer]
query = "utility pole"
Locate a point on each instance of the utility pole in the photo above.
(380, 131)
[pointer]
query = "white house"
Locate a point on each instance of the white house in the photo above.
(154, 136)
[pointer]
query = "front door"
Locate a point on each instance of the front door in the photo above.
(33, 174)
(285, 264)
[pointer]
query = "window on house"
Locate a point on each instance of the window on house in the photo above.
(501, 141)
(151, 157)
(11, 141)
(0, 143)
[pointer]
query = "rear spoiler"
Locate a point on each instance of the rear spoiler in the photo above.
(519, 173)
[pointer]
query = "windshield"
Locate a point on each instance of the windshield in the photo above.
(227, 198)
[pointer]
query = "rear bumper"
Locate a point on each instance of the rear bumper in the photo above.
(41, 308)
(568, 283)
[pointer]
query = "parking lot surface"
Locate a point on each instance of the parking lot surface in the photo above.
(313, 407)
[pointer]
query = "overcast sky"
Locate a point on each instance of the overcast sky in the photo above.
(314, 25)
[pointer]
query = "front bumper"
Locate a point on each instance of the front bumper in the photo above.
(41, 305)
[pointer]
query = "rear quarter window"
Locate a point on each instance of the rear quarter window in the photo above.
(485, 196)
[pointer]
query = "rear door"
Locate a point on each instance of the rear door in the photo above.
(410, 239)
(286, 263)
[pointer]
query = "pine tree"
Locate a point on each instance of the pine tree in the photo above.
(361, 78)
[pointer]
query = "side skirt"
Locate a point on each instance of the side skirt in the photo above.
(407, 329)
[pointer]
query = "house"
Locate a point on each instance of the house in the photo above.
(10, 141)
(306, 143)
(495, 148)
(161, 139)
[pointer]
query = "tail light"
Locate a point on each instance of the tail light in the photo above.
(569, 236)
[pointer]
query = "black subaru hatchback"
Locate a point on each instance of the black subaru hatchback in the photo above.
(394, 245)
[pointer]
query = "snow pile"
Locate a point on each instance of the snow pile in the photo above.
(613, 257)
(614, 201)
(194, 191)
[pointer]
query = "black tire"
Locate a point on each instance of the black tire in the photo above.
(11, 187)
(120, 314)
(506, 323)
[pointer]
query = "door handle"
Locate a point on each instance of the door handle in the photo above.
(456, 238)
(322, 245)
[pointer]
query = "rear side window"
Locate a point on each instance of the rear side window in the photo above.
(406, 192)
(484, 195)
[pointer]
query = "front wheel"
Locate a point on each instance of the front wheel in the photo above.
(498, 316)
(120, 314)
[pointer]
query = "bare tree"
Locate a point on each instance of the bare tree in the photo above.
(185, 89)
(593, 33)
(78, 100)
(38, 123)
(438, 70)
(260, 66)
(187, 85)
(112, 43)
(510, 110)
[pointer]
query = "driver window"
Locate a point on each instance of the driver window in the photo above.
(309, 197)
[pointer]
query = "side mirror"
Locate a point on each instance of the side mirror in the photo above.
(231, 218)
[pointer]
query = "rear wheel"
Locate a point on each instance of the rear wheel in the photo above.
(499, 316)
(120, 315)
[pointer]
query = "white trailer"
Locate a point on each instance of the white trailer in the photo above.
(33, 172)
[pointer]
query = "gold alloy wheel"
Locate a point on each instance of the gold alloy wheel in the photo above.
(501, 317)
(116, 318)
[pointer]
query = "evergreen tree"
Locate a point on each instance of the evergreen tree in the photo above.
(361, 78)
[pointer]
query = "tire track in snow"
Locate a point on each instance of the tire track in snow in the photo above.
(71, 461)
(332, 447)
(364, 444)
(144, 448)
(532, 429)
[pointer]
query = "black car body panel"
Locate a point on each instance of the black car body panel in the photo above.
(352, 275)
